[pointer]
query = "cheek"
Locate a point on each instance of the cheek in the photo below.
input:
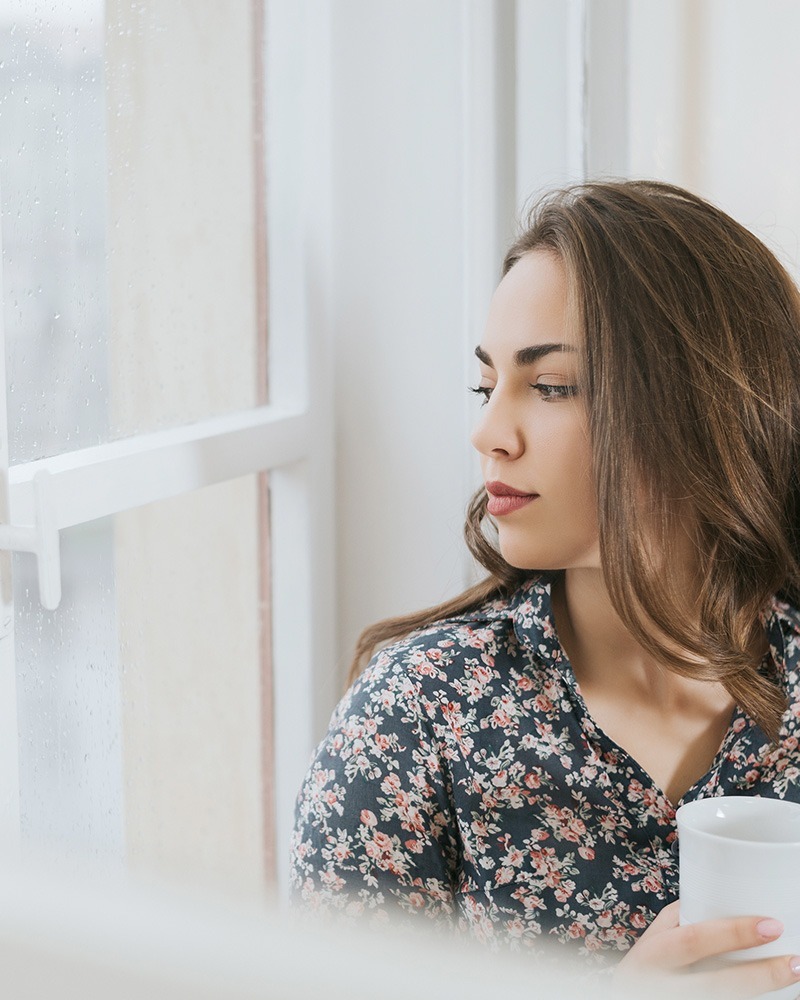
(571, 508)
(584, 474)
(578, 479)
(564, 457)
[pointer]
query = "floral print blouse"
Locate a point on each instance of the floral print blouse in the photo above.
(462, 778)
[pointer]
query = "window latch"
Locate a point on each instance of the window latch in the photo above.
(40, 538)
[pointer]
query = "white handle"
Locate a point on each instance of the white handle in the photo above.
(40, 538)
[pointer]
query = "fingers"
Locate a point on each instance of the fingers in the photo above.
(746, 979)
(667, 947)
(694, 961)
(694, 942)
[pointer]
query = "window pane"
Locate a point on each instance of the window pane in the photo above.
(53, 226)
(141, 696)
(130, 178)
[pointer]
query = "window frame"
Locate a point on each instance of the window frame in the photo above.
(290, 439)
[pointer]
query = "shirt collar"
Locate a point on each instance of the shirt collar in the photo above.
(782, 624)
(532, 616)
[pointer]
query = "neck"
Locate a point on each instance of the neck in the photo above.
(603, 652)
(671, 724)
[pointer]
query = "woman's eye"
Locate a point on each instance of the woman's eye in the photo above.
(545, 390)
(554, 391)
(482, 390)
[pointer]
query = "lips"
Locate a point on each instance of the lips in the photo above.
(505, 499)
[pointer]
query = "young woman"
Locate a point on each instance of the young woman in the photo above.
(512, 762)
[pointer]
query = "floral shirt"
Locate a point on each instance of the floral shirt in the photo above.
(463, 778)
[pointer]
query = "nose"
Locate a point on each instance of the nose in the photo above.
(497, 433)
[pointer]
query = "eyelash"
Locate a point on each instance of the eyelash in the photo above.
(547, 392)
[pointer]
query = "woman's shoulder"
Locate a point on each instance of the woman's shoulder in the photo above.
(461, 655)
(482, 631)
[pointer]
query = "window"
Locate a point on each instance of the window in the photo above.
(159, 417)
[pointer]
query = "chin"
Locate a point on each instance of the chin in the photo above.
(539, 558)
(521, 558)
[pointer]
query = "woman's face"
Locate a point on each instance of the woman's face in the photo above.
(533, 432)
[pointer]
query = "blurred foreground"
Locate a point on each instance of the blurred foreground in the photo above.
(104, 936)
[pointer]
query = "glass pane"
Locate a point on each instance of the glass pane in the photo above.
(132, 219)
(53, 226)
(68, 696)
(140, 698)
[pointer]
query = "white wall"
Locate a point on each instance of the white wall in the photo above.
(713, 90)
(399, 374)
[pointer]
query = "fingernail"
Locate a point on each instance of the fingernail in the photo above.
(769, 928)
(794, 965)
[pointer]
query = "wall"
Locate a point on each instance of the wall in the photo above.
(712, 91)
(400, 386)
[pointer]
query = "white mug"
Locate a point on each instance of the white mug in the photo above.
(740, 856)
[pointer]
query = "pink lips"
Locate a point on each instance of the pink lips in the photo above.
(505, 499)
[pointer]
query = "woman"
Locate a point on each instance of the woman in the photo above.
(512, 762)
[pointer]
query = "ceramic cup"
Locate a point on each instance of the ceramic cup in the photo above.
(740, 856)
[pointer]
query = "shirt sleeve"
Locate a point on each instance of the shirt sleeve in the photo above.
(374, 831)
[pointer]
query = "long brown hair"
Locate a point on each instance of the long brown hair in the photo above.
(692, 381)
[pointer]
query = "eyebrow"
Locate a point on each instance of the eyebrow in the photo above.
(528, 355)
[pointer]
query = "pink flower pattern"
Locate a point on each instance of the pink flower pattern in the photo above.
(462, 778)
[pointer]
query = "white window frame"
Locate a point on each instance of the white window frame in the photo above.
(292, 439)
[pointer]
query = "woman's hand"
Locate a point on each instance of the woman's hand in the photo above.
(663, 957)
